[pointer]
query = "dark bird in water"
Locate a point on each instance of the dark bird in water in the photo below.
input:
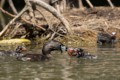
(80, 53)
(106, 38)
(18, 51)
(47, 48)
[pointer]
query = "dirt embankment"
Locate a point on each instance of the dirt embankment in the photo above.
(88, 23)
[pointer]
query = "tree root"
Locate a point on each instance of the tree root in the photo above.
(33, 21)
(12, 21)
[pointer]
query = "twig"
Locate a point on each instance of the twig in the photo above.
(13, 20)
(2, 3)
(31, 12)
(12, 6)
(21, 18)
(107, 26)
(57, 6)
(52, 36)
(15, 29)
(54, 12)
(89, 3)
(1, 15)
(110, 3)
(44, 17)
(7, 12)
(2, 20)
(81, 4)
(64, 5)
(50, 27)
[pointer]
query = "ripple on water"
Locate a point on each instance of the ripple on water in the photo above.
(62, 67)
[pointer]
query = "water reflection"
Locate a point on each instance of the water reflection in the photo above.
(66, 73)
(62, 67)
(106, 46)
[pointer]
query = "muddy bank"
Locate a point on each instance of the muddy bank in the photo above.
(87, 24)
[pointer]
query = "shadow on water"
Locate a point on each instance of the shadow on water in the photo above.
(62, 67)
(106, 46)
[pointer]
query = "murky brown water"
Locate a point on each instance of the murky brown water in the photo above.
(62, 67)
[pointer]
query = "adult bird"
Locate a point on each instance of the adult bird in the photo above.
(106, 38)
(47, 48)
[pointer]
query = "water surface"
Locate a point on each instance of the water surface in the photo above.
(62, 67)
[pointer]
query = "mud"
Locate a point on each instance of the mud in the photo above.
(86, 24)
(90, 22)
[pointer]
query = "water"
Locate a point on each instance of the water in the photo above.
(62, 67)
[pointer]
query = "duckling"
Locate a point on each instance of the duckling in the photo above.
(18, 51)
(106, 38)
(47, 48)
(80, 53)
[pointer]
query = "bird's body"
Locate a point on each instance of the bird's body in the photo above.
(46, 50)
(17, 52)
(32, 57)
(106, 38)
(80, 53)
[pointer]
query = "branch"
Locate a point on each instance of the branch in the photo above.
(53, 11)
(1, 15)
(2, 3)
(7, 12)
(12, 34)
(21, 18)
(89, 3)
(31, 12)
(2, 20)
(110, 3)
(13, 20)
(12, 6)
(50, 27)
(44, 17)
(81, 4)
